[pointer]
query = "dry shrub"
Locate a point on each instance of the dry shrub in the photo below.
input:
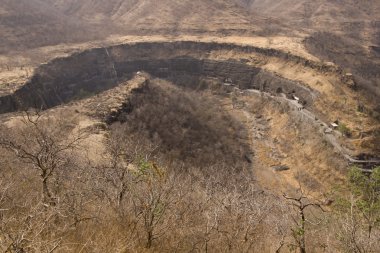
(186, 126)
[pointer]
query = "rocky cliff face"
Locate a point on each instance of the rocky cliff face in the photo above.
(184, 63)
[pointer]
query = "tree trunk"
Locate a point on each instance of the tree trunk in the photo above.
(47, 196)
(302, 235)
(149, 239)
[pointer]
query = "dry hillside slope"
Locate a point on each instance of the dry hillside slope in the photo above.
(344, 32)
(133, 15)
(33, 23)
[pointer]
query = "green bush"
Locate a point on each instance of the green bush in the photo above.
(345, 130)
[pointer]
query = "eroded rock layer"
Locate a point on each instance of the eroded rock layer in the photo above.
(184, 63)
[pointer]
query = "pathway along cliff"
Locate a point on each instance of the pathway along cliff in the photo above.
(324, 128)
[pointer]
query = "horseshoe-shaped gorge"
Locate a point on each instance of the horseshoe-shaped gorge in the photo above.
(191, 65)
(189, 126)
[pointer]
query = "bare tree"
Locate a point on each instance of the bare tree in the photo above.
(357, 212)
(137, 189)
(116, 174)
(301, 203)
(240, 215)
(42, 144)
(27, 224)
(153, 198)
